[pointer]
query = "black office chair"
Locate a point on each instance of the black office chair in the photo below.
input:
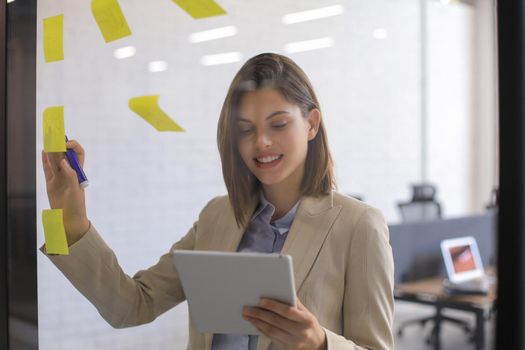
(425, 207)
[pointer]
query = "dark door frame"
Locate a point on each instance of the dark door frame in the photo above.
(18, 259)
(3, 182)
(510, 327)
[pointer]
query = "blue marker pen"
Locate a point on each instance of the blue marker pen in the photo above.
(74, 163)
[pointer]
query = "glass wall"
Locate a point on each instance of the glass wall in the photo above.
(407, 97)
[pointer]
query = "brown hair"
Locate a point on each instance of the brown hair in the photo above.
(269, 70)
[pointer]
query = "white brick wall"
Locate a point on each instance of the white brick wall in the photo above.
(147, 188)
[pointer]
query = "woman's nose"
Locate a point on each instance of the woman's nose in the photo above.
(262, 141)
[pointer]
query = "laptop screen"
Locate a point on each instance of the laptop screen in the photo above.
(462, 259)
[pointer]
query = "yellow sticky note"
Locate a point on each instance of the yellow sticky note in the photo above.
(54, 131)
(56, 241)
(200, 8)
(148, 108)
(54, 38)
(110, 19)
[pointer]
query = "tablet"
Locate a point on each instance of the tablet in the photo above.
(218, 285)
(462, 259)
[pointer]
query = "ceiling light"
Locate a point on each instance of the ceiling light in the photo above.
(125, 52)
(157, 66)
(313, 14)
(380, 33)
(212, 34)
(221, 58)
(308, 45)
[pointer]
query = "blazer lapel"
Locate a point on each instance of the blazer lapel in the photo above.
(208, 339)
(311, 225)
(226, 235)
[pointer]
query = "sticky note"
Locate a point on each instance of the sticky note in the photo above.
(110, 19)
(54, 38)
(200, 8)
(56, 241)
(54, 131)
(148, 108)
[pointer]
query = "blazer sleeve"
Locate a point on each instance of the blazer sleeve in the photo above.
(369, 281)
(123, 301)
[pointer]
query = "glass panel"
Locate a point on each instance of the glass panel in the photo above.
(396, 115)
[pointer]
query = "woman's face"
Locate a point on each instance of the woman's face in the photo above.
(273, 137)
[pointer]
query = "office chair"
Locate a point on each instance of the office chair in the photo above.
(424, 207)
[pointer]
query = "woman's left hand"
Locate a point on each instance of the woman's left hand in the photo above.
(291, 327)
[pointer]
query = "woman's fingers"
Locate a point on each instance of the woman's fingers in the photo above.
(75, 146)
(58, 167)
(284, 310)
(292, 326)
(54, 160)
(70, 174)
(271, 331)
(48, 171)
(300, 305)
(272, 318)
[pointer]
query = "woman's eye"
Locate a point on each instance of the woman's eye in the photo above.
(245, 131)
(279, 125)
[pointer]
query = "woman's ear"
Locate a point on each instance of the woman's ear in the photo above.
(314, 120)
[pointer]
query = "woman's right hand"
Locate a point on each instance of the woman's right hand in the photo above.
(64, 192)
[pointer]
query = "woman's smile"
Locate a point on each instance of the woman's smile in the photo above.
(268, 161)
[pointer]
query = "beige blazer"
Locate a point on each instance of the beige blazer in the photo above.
(342, 261)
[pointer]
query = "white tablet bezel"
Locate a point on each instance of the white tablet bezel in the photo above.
(218, 284)
(467, 275)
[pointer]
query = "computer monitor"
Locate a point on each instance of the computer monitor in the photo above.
(462, 259)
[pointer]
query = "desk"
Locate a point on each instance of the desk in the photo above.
(430, 292)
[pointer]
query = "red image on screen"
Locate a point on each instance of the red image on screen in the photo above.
(462, 259)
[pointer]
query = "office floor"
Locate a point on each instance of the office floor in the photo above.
(452, 336)
(414, 337)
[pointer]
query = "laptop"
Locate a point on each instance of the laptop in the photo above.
(465, 271)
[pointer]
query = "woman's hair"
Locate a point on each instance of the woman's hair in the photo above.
(269, 70)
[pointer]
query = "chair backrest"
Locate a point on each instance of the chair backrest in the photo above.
(423, 206)
(420, 211)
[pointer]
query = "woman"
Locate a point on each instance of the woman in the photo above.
(278, 172)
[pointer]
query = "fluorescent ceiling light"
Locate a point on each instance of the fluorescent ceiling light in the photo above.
(308, 45)
(8, 1)
(221, 58)
(380, 33)
(125, 52)
(157, 66)
(212, 34)
(313, 14)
